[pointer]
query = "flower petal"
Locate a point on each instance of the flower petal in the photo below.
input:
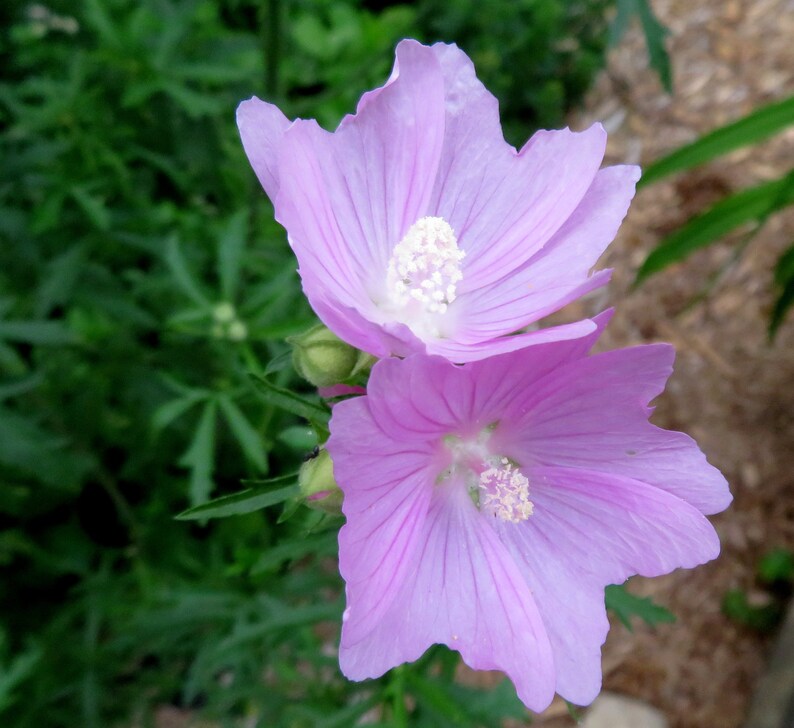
(386, 495)
(557, 274)
(464, 591)
(588, 530)
(503, 205)
(475, 351)
(420, 397)
(347, 198)
(593, 414)
(262, 128)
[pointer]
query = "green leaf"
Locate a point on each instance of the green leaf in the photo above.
(248, 438)
(200, 456)
(165, 414)
(349, 715)
(654, 33)
(433, 694)
(626, 605)
(20, 668)
(230, 253)
(762, 617)
(753, 204)
(58, 280)
(20, 386)
(320, 544)
(777, 566)
(246, 501)
(784, 281)
(290, 402)
(748, 130)
(43, 333)
(93, 207)
(182, 275)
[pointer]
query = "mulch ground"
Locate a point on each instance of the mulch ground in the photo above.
(732, 390)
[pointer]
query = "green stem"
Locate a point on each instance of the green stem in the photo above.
(398, 697)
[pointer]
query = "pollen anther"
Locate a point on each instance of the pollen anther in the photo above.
(425, 266)
(504, 492)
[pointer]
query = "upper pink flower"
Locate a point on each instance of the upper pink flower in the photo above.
(488, 505)
(419, 229)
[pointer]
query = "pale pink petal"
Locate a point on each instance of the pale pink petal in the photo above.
(462, 590)
(387, 490)
(262, 128)
(560, 272)
(588, 530)
(347, 198)
(594, 414)
(504, 206)
(418, 397)
(475, 351)
(502, 383)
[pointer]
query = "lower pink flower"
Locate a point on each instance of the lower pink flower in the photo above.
(488, 505)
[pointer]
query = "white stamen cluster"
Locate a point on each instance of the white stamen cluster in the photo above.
(425, 266)
(504, 492)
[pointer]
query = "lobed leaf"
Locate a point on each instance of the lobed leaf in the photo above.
(626, 605)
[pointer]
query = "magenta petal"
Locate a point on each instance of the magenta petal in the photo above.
(464, 591)
(593, 414)
(262, 128)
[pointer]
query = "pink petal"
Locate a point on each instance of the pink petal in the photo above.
(477, 350)
(262, 128)
(557, 274)
(418, 398)
(386, 498)
(347, 198)
(502, 383)
(462, 590)
(593, 414)
(588, 530)
(504, 206)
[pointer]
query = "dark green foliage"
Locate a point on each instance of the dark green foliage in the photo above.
(142, 282)
(767, 608)
(538, 56)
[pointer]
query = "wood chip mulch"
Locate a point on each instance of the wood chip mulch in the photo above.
(732, 390)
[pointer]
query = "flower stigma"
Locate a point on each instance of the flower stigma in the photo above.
(424, 268)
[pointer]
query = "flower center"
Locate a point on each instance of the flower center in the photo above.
(495, 484)
(504, 492)
(424, 267)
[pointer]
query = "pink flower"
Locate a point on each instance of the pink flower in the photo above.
(489, 504)
(419, 229)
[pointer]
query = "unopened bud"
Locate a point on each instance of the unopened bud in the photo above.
(317, 484)
(323, 359)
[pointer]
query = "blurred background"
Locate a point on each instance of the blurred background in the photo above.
(142, 278)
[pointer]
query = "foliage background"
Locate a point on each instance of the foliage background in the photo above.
(142, 279)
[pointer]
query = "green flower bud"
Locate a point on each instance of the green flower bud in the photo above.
(317, 484)
(323, 359)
